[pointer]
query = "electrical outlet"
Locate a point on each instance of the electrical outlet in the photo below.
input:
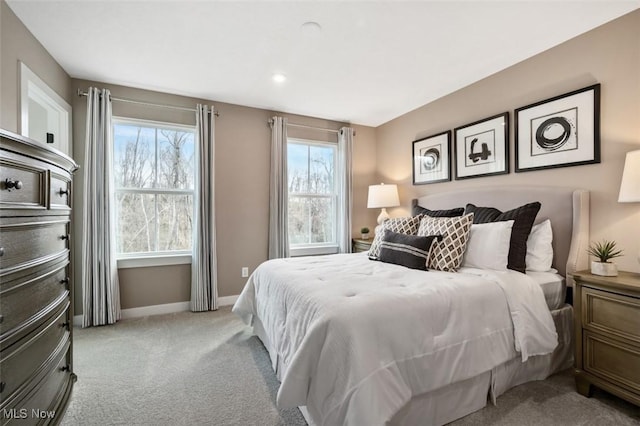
(245, 272)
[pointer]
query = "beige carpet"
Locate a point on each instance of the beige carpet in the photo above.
(207, 369)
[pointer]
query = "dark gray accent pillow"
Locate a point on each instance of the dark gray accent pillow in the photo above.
(411, 251)
(523, 218)
(417, 210)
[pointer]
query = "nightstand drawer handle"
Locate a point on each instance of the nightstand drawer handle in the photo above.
(65, 368)
(63, 192)
(65, 237)
(65, 280)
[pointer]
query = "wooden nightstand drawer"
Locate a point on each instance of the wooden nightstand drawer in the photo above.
(612, 360)
(611, 313)
(360, 245)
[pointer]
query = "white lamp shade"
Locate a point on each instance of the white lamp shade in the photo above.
(381, 196)
(630, 186)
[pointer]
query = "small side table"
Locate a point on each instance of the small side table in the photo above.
(607, 330)
(359, 245)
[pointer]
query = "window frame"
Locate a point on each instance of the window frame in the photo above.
(312, 249)
(155, 258)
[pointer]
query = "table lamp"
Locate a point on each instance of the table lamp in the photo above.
(630, 185)
(383, 196)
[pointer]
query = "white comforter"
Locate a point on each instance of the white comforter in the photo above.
(356, 339)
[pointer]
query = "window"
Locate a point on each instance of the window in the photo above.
(153, 166)
(312, 197)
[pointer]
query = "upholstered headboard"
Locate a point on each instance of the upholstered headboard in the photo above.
(567, 208)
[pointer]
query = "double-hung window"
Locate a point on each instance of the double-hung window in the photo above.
(154, 170)
(313, 197)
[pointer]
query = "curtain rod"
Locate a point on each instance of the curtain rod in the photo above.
(131, 101)
(270, 122)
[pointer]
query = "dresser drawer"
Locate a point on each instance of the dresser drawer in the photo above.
(40, 404)
(611, 313)
(612, 360)
(59, 192)
(30, 179)
(21, 362)
(25, 297)
(25, 244)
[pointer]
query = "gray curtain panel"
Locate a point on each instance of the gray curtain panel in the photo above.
(278, 191)
(345, 197)
(204, 271)
(100, 288)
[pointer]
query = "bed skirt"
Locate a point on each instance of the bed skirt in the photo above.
(459, 399)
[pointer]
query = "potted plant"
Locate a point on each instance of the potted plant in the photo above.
(365, 232)
(604, 251)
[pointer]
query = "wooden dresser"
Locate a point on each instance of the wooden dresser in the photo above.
(36, 288)
(607, 326)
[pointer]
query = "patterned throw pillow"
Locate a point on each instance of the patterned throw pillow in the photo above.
(446, 255)
(523, 218)
(411, 251)
(401, 225)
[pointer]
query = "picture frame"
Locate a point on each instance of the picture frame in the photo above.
(432, 159)
(482, 147)
(561, 131)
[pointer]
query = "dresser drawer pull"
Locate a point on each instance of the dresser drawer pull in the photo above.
(65, 325)
(12, 184)
(63, 192)
(65, 280)
(65, 368)
(1, 251)
(1, 319)
(65, 237)
(2, 385)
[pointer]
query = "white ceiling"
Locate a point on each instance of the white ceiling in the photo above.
(371, 62)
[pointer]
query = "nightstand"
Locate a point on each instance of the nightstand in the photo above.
(607, 331)
(360, 245)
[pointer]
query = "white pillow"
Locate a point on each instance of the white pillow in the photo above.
(539, 249)
(488, 246)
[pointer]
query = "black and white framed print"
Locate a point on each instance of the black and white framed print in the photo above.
(559, 132)
(482, 148)
(432, 159)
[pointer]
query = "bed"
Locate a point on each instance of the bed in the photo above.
(355, 341)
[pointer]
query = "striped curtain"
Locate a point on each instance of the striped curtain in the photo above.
(100, 288)
(345, 197)
(204, 271)
(278, 191)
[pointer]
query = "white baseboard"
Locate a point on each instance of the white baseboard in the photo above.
(167, 308)
(227, 300)
(143, 311)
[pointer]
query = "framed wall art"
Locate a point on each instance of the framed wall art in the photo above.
(482, 148)
(559, 132)
(432, 159)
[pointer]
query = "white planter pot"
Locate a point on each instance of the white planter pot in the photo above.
(604, 269)
(365, 236)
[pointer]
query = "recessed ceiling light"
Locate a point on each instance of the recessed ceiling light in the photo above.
(279, 77)
(311, 28)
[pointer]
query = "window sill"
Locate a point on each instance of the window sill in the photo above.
(150, 261)
(313, 250)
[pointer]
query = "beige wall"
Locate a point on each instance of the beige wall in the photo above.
(609, 55)
(18, 44)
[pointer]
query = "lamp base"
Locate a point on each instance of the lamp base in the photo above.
(383, 216)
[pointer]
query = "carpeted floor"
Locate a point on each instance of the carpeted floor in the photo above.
(207, 369)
